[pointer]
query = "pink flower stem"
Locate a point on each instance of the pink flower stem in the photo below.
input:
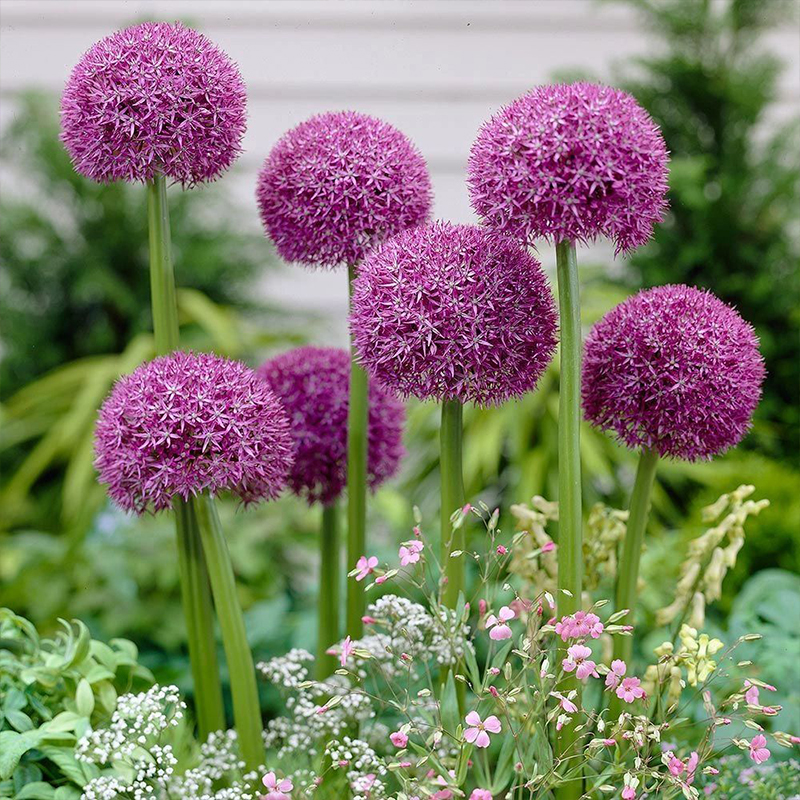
(452, 492)
(570, 528)
(328, 607)
(195, 591)
(244, 690)
(628, 574)
(357, 440)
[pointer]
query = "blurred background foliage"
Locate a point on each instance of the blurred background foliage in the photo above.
(74, 303)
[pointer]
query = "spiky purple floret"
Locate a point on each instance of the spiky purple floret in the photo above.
(150, 99)
(337, 185)
(313, 385)
(453, 312)
(674, 369)
(187, 423)
(571, 162)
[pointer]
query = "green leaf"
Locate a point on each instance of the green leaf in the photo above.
(84, 698)
(67, 793)
(449, 705)
(13, 746)
(36, 791)
(64, 759)
(19, 720)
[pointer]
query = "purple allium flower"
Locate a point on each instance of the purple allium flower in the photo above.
(337, 185)
(571, 162)
(674, 369)
(453, 312)
(153, 99)
(313, 385)
(186, 423)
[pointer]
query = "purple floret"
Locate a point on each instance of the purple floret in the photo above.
(313, 385)
(571, 162)
(673, 369)
(157, 98)
(184, 424)
(454, 312)
(337, 185)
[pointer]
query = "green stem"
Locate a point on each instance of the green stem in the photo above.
(628, 573)
(328, 606)
(452, 482)
(198, 610)
(570, 536)
(357, 439)
(244, 691)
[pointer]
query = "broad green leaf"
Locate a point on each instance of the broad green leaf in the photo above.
(36, 791)
(13, 746)
(19, 720)
(84, 698)
(449, 705)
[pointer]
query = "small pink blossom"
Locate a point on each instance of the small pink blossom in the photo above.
(609, 742)
(630, 690)
(618, 670)
(579, 660)
(478, 731)
(368, 620)
(751, 695)
(410, 552)
(675, 765)
(480, 794)
(758, 749)
(276, 789)
(629, 793)
(498, 625)
(547, 547)
(565, 703)
(501, 551)
(398, 739)
(381, 579)
(494, 670)
(347, 650)
(691, 767)
(366, 566)
(579, 626)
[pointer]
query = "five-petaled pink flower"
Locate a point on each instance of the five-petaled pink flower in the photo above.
(276, 789)
(498, 625)
(758, 749)
(579, 626)
(578, 658)
(480, 794)
(478, 731)
(630, 690)
(618, 670)
(365, 566)
(398, 739)
(347, 650)
(410, 552)
(565, 703)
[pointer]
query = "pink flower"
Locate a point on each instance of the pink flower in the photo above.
(480, 794)
(398, 739)
(629, 793)
(501, 551)
(478, 732)
(579, 626)
(691, 767)
(347, 650)
(409, 553)
(675, 765)
(630, 690)
(566, 704)
(381, 579)
(751, 695)
(578, 659)
(368, 620)
(499, 628)
(618, 670)
(276, 790)
(547, 547)
(365, 566)
(758, 749)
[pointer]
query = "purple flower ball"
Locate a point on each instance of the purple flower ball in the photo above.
(184, 424)
(571, 162)
(313, 385)
(154, 99)
(337, 185)
(673, 369)
(454, 312)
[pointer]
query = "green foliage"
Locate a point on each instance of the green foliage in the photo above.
(734, 185)
(740, 779)
(51, 691)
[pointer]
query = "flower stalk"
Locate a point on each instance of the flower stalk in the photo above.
(357, 440)
(328, 607)
(452, 492)
(570, 537)
(195, 593)
(244, 690)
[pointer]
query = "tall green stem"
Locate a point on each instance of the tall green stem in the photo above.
(244, 690)
(628, 575)
(357, 439)
(328, 606)
(570, 536)
(452, 481)
(196, 597)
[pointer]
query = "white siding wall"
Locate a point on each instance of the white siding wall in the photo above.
(434, 68)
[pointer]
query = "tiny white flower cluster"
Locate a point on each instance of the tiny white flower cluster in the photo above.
(219, 759)
(287, 671)
(362, 765)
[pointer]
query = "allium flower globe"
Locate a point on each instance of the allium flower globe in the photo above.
(337, 185)
(571, 162)
(453, 312)
(674, 369)
(312, 383)
(185, 423)
(156, 98)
